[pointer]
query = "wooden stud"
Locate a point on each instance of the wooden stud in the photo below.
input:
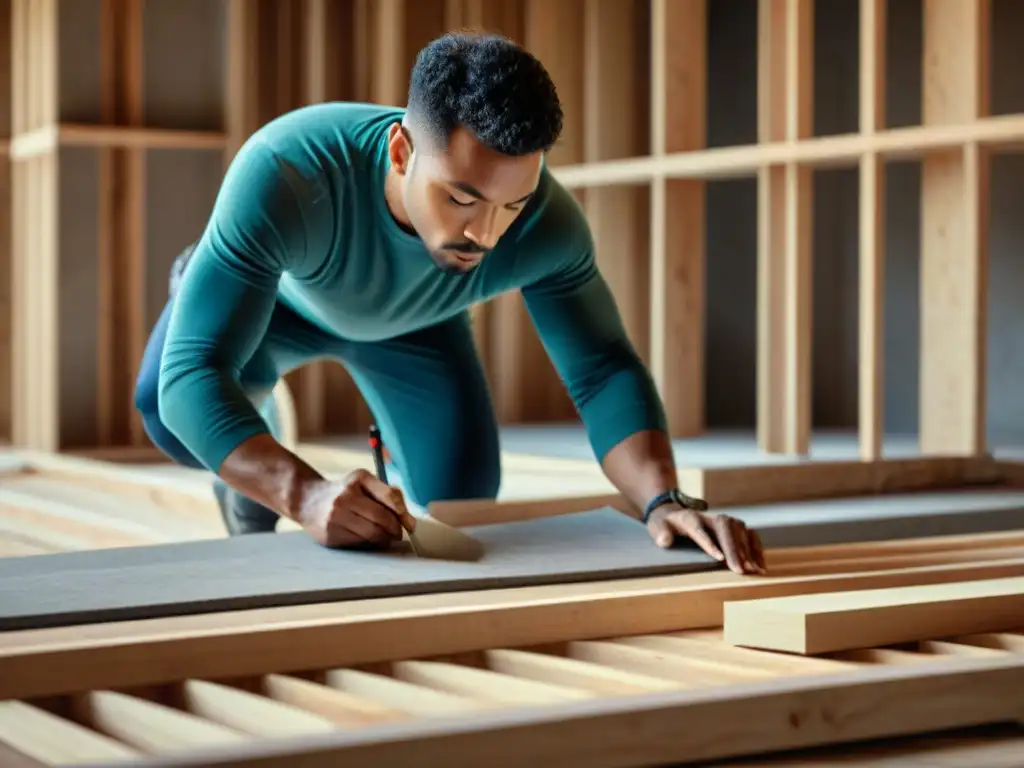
(678, 31)
(954, 231)
(122, 237)
(618, 216)
(871, 369)
(35, 400)
(784, 248)
(504, 18)
(527, 387)
(6, 276)
(771, 232)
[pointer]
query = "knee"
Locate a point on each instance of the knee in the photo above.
(474, 475)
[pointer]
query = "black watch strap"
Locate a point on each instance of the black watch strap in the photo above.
(673, 496)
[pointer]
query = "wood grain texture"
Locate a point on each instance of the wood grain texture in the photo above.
(727, 721)
(816, 624)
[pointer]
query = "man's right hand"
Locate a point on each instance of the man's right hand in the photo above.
(358, 512)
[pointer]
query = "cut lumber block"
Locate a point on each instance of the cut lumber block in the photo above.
(829, 622)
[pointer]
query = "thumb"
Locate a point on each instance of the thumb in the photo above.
(661, 532)
(408, 520)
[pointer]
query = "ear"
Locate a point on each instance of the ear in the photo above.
(399, 148)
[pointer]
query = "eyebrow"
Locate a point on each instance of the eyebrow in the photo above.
(469, 189)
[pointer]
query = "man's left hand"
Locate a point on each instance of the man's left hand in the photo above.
(724, 538)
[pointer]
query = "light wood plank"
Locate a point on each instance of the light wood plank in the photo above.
(249, 712)
(148, 726)
(485, 684)
(341, 707)
(824, 623)
(562, 670)
(871, 370)
(401, 694)
(954, 232)
(53, 740)
(678, 30)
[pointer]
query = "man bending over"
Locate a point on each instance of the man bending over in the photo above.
(363, 233)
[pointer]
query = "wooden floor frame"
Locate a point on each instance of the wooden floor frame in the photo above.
(720, 722)
(677, 727)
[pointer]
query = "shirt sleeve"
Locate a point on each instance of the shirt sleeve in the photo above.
(580, 326)
(256, 232)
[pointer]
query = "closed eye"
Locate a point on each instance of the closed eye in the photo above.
(459, 202)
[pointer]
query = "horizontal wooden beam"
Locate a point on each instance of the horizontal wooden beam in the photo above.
(733, 486)
(726, 486)
(843, 150)
(45, 140)
(317, 636)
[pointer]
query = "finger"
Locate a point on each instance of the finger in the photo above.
(742, 538)
(757, 549)
(351, 529)
(391, 497)
(692, 525)
(727, 541)
(661, 532)
(381, 516)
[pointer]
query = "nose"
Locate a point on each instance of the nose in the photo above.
(482, 230)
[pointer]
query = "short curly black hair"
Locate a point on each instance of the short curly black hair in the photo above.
(489, 85)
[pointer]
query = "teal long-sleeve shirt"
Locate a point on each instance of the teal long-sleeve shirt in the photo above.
(301, 219)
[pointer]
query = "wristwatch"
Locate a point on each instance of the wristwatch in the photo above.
(673, 496)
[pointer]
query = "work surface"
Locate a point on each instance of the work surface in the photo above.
(289, 568)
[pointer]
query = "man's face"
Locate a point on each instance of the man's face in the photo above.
(461, 198)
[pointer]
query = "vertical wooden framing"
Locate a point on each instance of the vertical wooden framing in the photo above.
(785, 91)
(799, 219)
(6, 327)
(588, 48)
(526, 386)
(771, 94)
(618, 215)
(677, 241)
(505, 18)
(122, 252)
(330, 400)
(241, 95)
(34, 246)
(871, 371)
(954, 232)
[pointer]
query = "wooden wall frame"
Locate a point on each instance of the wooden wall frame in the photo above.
(640, 173)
